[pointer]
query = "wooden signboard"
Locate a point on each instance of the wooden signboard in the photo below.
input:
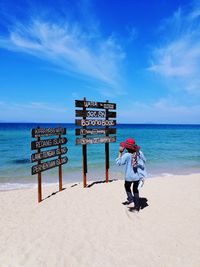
(97, 114)
(56, 153)
(48, 143)
(39, 132)
(48, 165)
(95, 140)
(91, 131)
(101, 119)
(48, 154)
(95, 122)
(93, 104)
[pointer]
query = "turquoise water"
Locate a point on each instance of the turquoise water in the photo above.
(169, 149)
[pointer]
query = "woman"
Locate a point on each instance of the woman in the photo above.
(135, 172)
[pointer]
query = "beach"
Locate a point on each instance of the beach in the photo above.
(81, 227)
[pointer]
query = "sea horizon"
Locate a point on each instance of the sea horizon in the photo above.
(126, 123)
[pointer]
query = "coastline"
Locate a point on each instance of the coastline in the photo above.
(30, 182)
(90, 227)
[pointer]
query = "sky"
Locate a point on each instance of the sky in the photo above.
(142, 55)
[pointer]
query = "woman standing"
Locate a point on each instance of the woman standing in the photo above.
(135, 172)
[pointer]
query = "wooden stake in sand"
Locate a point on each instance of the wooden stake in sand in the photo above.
(100, 118)
(55, 153)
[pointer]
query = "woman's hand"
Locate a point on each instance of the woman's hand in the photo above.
(121, 149)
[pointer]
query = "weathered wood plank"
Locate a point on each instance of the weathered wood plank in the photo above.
(48, 154)
(95, 131)
(93, 104)
(95, 122)
(95, 140)
(48, 165)
(95, 113)
(39, 132)
(48, 143)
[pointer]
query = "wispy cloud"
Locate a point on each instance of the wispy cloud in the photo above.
(33, 111)
(178, 57)
(161, 111)
(68, 47)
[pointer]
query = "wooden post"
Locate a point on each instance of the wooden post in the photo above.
(84, 152)
(39, 187)
(60, 170)
(39, 178)
(107, 152)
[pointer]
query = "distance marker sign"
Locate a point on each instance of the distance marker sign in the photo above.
(48, 165)
(41, 157)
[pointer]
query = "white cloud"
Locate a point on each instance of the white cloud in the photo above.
(69, 48)
(178, 58)
(161, 111)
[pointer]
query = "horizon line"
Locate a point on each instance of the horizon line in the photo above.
(150, 123)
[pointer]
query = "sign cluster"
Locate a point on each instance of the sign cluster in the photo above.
(42, 157)
(99, 118)
(96, 119)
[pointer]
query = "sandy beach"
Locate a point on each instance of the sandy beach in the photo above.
(90, 227)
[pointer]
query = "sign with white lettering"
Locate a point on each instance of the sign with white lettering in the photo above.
(48, 143)
(93, 104)
(39, 132)
(90, 131)
(48, 165)
(95, 140)
(48, 154)
(95, 122)
(94, 113)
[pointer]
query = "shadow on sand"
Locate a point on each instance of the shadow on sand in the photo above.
(54, 193)
(100, 182)
(143, 202)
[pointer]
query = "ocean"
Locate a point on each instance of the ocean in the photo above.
(169, 149)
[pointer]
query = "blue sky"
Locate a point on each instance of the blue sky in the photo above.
(143, 55)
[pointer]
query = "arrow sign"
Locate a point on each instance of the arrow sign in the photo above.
(48, 143)
(48, 154)
(48, 165)
(95, 140)
(39, 132)
(93, 104)
(90, 131)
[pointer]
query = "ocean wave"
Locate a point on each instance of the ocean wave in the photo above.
(15, 186)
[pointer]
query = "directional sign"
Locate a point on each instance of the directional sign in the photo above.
(93, 114)
(95, 131)
(92, 104)
(38, 132)
(48, 154)
(48, 143)
(48, 165)
(95, 122)
(95, 140)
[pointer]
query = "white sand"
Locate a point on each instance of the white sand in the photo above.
(90, 227)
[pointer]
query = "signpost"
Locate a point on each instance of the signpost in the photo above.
(55, 153)
(100, 118)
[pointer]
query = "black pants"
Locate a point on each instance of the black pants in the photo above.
(128, 184)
